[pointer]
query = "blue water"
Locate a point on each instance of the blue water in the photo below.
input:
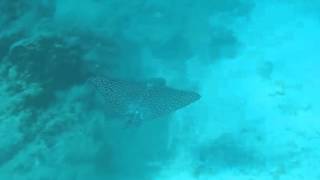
(254, 63)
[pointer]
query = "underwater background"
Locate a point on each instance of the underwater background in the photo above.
(254, 63)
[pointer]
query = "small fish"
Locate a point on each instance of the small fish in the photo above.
(139, 101)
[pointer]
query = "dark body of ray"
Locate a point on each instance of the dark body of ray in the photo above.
(141, 100)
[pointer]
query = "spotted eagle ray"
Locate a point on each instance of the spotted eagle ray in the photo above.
(144, 100)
